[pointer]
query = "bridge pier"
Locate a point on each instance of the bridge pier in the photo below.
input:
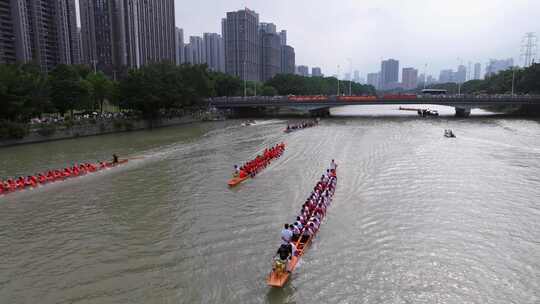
(463, 112)
(324, 112)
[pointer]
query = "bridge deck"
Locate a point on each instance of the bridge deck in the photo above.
(469, 102)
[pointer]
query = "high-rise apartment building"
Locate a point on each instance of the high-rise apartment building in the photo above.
(316, 72)
(179, 35)
(409, 78)
(270, 51)
(198, 55)
(41, 31)
(446, 76)
(240, 32)
(214, 51)
(461, 75)
(495, 66)
(302, 70)
(188, 54)
(421, 79)
(283, 37)
(477, 70)
(288, 60)
(356, 77)
(389, 74)
(127, 33)
(373, 80)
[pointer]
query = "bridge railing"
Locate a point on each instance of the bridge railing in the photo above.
(334, 98)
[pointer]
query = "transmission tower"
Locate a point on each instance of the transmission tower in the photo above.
(528, 49)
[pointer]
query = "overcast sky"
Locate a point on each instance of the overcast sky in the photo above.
(326, 33)
(439, 33)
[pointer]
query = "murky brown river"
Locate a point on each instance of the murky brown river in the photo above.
(417, 218)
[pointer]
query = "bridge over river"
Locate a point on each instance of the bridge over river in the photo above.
(321, 105)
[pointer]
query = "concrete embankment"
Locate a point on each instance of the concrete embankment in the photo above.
(52, 133)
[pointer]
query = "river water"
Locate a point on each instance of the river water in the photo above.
(417, 218)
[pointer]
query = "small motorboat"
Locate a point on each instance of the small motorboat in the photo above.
(248, 123)
(448, 133)
(427, 112)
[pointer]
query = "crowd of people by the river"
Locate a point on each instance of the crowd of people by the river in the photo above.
(309, 218)
(79, 117)
(301, 125)
(260, 162)
(32, 181)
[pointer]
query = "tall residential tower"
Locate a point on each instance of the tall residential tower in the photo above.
(40, 31)
(240, 31)
(389, 74)
(120, 34)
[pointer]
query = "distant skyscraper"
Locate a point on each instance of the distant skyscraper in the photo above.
(316, 72)
(214, 51)
(446, 76)
(373, 80)
(430, 79)
(77, 47)
(421, 79)
(288, 60)
(188, 54)
(409, 78)
(270, 51)
(283, 37)
(242, 44)
(389, 74)
(495, 66)
(180, 57)
(303, 70)
(198, 50)
(477, 70)
(39, 31)
(356, 76)
(130, 33)
(461, 75)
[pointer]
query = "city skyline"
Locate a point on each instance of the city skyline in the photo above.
(487, 36)
(429, 28)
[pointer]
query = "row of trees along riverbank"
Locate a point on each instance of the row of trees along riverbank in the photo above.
(526, 81)
(26, 92)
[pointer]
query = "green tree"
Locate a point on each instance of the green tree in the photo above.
(68, 91)
(100, 88)
(225, 85)
(23, 91)
(286, 84)
(162, 86)
(268, 91)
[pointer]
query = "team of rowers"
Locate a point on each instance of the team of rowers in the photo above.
(309, 219)
(50, 176)
(252, 167)
(302, 125)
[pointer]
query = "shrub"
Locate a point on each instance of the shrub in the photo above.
(47, 130)
(12, 130)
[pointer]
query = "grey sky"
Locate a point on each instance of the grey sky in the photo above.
(326, 33)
